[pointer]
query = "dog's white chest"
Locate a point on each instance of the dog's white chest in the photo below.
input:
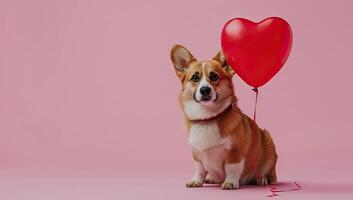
(204, 135)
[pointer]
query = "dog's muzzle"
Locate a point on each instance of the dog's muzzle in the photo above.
(205, 93)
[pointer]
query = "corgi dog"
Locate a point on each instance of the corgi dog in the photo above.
(228, 148)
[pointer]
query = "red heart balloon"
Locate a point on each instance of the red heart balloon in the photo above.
(256, 51)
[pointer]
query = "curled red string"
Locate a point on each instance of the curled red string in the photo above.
(274, 190)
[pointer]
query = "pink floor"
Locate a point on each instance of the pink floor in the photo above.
(87, 186)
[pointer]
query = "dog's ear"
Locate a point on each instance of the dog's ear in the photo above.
(222, 60)
(181, 58)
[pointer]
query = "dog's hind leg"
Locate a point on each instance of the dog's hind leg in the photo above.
(269, 178)
(272, 177)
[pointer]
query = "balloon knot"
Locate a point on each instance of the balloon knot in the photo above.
(255, 90)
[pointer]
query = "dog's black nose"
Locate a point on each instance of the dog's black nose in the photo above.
(205, 90)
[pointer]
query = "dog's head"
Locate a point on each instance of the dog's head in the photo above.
(207, 88)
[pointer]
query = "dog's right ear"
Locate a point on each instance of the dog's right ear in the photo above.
(181, 59)
(222, 60)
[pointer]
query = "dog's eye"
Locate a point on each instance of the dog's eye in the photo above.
(195, 78)
(213, 76)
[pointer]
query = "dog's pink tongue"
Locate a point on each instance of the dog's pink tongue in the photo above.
(206, 103)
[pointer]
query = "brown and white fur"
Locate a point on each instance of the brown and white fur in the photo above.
(227, 146)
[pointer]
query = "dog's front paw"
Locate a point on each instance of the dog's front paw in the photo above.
(230, 185)
(194, 183)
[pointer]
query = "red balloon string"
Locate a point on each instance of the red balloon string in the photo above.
(273, 189)
(256, 93)
(253, 127)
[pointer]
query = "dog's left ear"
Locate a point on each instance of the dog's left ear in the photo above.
(222, 60)
(181, 58)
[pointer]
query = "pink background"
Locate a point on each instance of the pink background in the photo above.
(88, 97)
